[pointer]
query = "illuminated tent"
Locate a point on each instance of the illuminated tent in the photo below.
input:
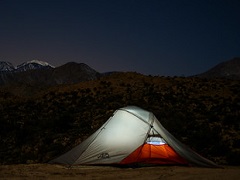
(132, 136)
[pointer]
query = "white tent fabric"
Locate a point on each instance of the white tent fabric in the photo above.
(124, 132)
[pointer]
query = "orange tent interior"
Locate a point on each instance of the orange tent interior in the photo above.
(154, 154)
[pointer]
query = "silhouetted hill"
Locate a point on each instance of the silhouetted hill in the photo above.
(73, 73)
(229, 69)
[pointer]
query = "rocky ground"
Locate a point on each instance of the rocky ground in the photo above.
(47, 171)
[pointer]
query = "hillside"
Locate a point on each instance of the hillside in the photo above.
(229, 69)
(202, 113)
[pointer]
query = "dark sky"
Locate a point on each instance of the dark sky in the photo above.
(157, 37)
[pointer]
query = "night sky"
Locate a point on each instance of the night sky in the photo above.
(157, 37)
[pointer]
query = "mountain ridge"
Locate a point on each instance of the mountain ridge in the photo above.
(43, 74)
(40, 73)
(33, 64)
(6, 66)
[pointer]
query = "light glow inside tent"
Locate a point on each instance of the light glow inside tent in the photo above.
(155, 141)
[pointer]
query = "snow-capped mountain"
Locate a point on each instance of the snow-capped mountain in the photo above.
(6, 66)
(29, 65)
(38, 72)
(34, 64)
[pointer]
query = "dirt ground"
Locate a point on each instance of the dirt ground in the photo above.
(48, 171)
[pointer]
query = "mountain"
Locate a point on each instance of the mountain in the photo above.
(229, 69)
(34, 64)
(29, 65)
(37, 73)
(6, 66)
(73, 72)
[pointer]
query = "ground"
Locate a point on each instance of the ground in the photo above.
(47, 171)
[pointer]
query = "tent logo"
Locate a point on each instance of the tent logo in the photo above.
(103, 156)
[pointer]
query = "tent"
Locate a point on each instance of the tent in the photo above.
(132, 136)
